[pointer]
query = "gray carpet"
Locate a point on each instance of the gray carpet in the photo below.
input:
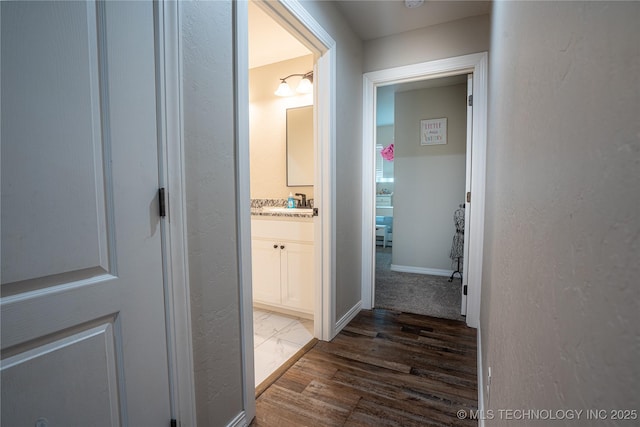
(415, 293)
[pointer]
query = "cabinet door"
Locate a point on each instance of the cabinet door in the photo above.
(266, 271)
(297, 276)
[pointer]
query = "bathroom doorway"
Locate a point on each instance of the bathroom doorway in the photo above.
(293, 18)
(281, 164)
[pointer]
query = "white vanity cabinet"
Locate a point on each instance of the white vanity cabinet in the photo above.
(282, 263)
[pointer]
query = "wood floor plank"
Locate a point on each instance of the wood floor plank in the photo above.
(332, 392)
(301, 409)
(384, 369)
(397, 356)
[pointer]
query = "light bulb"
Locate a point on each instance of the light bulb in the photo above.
(304, 86)
(284, 89)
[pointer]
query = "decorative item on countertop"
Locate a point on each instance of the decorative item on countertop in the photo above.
(387, 152)
(291, 202)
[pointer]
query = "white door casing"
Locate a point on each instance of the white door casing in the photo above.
(83, 323)
(477, 64)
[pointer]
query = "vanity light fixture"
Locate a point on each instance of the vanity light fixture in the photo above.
(305, 86)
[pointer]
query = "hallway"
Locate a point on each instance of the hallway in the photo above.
(384, 368)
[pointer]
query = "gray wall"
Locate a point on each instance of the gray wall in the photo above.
(469, 35)
(560, 307)
(348, 154)
(429, 180)
(211, 208)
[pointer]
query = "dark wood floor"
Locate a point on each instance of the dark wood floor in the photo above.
(384, 369)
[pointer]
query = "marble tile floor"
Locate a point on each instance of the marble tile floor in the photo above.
(277, 337)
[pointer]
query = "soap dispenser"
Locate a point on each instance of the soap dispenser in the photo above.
(291, 202)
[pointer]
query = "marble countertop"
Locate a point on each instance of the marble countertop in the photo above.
(282, 212)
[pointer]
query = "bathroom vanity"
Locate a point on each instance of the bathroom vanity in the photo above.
(283, 262)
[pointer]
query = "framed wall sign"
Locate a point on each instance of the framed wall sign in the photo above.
(433, 131)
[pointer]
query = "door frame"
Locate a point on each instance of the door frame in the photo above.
(477, 64)
(293, 17)
(174, 225)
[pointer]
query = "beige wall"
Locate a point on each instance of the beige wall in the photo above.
(560, 307)
(462, 37)
(429, 180)
(208, 101)
(348, 188)
(268, 132)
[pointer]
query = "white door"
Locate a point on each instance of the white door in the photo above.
(83, 325)
(467, 211)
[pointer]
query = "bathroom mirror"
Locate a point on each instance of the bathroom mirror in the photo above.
(300, 146)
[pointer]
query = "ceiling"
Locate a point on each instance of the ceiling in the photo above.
(374, 19)
(270, 43)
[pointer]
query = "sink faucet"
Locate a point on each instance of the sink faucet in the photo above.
(303, 202)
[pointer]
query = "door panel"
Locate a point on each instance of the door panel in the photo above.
(50, 114)
(85, 371)
(83, 326)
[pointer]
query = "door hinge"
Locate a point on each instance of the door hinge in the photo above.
(464, 290)
(162, 203)
(468, 196)
(470, 100)
(173, 423)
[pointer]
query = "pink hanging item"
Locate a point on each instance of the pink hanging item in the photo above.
(387, 152)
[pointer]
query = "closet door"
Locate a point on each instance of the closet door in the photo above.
(82, 308)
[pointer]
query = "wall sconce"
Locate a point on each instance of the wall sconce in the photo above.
(305, 85)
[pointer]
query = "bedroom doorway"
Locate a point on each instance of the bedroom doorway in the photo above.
(413, 225)
(475, 64)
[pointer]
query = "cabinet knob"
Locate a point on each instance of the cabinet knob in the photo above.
(281, 246)
(275, 246)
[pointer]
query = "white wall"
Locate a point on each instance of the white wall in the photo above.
(208, 79)
(429, 180)
(348, 148)
(469, 35)
(268, 127)
(560, 307)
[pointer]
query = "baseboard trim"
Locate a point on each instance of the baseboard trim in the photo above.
(239, 421)
(421, 270)
(348, 317)
(480, 381)
(283, 310)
